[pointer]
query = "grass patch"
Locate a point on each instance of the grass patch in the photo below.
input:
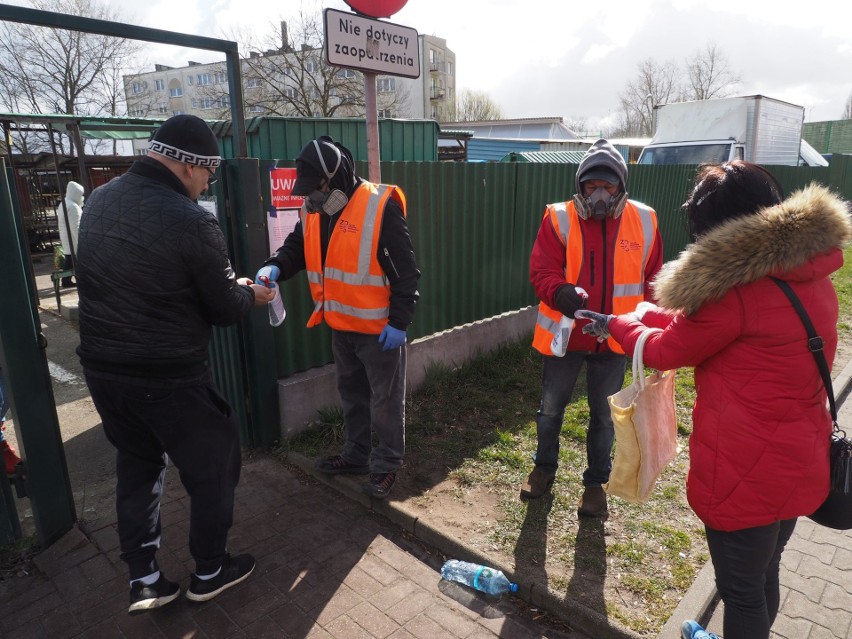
(475, 426)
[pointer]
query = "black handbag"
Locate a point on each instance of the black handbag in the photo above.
(836, 510)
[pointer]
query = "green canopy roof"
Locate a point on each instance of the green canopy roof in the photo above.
(93, 127)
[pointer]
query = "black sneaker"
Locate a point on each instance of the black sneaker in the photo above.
(144, 598)
(234, 570)
(379, 485)
(338, 466)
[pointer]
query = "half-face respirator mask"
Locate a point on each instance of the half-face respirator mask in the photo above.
(600, 204)
(329, 202)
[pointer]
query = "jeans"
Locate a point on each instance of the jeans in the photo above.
(604, 377)
(193, 424)
(371, 383)
(747, 565)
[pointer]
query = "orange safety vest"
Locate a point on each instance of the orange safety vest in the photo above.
(636, 234)
(351, 291)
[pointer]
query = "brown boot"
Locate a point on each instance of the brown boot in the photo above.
(538, 483)
(593, 503)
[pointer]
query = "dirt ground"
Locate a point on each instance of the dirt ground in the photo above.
(614, 568)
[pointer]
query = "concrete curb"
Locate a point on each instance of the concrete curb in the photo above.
(701, 599)
(584, 619)
(301, 395)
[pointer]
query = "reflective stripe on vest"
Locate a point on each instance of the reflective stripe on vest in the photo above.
(637, 229)
(351, 292)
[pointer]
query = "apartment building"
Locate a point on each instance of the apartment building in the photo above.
(296, 82)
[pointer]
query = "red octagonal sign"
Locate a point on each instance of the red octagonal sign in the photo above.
(377, 8)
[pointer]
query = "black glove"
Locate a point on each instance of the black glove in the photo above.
(568, 300)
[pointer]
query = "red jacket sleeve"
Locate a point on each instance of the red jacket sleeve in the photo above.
(547, 262)
(687, 340)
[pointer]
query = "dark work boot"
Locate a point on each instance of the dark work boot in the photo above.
(538, 483)
(336, 465)
(593, 503)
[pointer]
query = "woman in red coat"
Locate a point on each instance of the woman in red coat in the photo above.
(759, 446)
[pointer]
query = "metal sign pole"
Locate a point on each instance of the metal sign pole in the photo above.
(372, 116)
(371, 46)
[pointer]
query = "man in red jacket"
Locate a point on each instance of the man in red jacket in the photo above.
(597, 251)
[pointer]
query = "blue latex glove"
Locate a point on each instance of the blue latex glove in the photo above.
(598, 323)
(391, 337)
(270, 271)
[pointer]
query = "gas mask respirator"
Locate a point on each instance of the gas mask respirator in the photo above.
(328, 202)
(600, 204)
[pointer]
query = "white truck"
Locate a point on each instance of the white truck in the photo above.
(754, 128)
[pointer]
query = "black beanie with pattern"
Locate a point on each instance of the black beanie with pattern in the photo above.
(188, 139)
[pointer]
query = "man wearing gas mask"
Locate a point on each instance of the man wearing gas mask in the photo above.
(599, 250)
(353, 240)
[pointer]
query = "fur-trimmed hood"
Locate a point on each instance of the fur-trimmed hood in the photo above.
(773, 241)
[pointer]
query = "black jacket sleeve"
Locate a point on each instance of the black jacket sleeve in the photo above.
(396, 257)
(223, 301)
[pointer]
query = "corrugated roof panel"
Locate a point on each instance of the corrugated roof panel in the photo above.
(551, 157)
(485, 150)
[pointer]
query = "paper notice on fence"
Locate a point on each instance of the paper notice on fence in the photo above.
(284, 213)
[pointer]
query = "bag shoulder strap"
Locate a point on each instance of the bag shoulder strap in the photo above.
(639, 358)
(815, 342)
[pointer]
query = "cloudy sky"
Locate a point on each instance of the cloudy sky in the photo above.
(563, 58)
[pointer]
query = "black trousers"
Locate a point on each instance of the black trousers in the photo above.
(371, 383)
(747, 563)
(190, 421)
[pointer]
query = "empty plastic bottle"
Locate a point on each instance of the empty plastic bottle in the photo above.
(482, 578)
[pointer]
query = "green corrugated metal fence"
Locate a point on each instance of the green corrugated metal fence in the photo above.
(473, 227)
(829, 137)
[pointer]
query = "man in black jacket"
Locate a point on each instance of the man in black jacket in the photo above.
(353, 240)
(153, 277)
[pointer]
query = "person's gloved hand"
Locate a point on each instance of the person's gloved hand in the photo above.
(270, 271)
(570, 298)
(391, 337)
(598, 323)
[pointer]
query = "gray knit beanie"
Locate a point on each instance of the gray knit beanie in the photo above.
(602, 161)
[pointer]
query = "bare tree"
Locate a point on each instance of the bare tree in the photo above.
(656, 83)
(282, 79)
(709, 75)
(577, 123)
(847, 110)
(477, 106)
(53, 70)
(111, 92)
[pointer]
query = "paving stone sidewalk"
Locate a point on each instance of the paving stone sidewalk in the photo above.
(327, 567)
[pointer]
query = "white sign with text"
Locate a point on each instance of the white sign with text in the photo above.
(358, 42)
